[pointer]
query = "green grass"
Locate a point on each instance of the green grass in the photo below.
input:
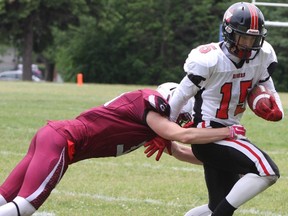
(131, 184)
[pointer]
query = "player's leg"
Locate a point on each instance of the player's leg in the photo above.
(238, 156)
(252, 184)
(11, 186)
(245, 189)
(260, 173)
(249, 186)
(19, 206)
(2, 200)
(45, 170)
(219, 182)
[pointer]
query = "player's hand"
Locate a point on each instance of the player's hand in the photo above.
(157, 144)
(237, 132)
(270, 114)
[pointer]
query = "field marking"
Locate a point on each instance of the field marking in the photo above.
(106, 198)
(148, 165)
(151, 166)
(195, 168)
(11, 153)
(257, 212)
(143, 201)
(43, 214)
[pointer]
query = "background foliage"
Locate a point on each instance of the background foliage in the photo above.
(125, 41)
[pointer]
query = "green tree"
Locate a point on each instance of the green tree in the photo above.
(28, 23)
(138, 41)
(147, 42)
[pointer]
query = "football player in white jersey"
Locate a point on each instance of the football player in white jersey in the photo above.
(219, 77)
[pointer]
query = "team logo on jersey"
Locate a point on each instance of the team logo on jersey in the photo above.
(164, 108)
(159, 104)
(239, 75)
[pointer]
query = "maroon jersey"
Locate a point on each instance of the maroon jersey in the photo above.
(115, 128)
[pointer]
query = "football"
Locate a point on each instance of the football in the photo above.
(257, 94)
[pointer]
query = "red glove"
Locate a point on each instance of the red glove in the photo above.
(157, 144)
(270, 114)
(237, 132)
(188, 124)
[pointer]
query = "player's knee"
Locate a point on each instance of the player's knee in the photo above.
(23, 206)
(276, 171)
(271, 179)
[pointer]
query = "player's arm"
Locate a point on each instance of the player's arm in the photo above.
(269, 84)
(265, 101)
(184, 153)
(276, 112)
(168, 130)
(179, 151)
(185, 91)
(172, 131)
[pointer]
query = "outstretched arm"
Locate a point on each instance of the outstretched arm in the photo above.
(168, 130)
(172, 131)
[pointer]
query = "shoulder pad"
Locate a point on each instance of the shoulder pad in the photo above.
(204, 56)
(159, 104)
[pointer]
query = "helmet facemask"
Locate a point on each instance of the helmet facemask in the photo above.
(242, 50)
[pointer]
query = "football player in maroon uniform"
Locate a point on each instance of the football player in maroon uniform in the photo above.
(113, 129)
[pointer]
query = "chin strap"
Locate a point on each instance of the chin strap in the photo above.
(244, 54)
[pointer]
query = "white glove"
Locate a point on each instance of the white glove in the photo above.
(237, 132)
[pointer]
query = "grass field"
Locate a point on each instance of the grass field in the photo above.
(131, 184)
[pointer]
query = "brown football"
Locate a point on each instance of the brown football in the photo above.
(259, 93)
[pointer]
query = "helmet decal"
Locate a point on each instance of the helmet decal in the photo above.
(254, 17)
(228, 16)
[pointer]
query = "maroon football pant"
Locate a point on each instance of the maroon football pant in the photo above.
(40, 170)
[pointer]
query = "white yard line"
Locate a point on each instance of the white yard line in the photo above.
(193, 168)
(154, 202)
(11, 153)
(44, 214)
(144, 201)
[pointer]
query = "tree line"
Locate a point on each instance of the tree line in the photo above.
(122, 41)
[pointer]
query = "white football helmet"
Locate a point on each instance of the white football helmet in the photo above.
(167, 90)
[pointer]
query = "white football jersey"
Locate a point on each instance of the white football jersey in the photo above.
(219, 87)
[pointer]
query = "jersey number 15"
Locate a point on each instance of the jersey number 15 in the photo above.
(226, 92)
